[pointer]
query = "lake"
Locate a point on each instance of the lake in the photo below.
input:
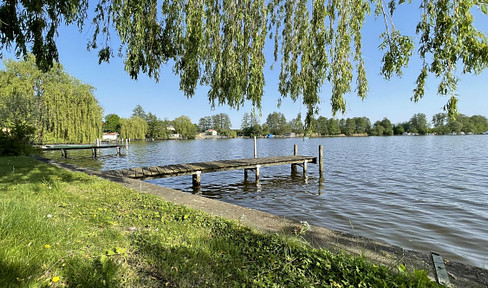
(426, 193)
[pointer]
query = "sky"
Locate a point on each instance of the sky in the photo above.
(118, 93)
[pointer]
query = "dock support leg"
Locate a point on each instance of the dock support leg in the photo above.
(305, 167)
(118, 150)
(94, 153)
(295, 152)
(196, 179)
(64, 153)
(321, 161)
(255, 170)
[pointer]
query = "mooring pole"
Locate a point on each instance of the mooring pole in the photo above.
(321, 161)
(255, 148)
(295, 152)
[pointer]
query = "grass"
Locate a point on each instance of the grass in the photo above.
(64, 229)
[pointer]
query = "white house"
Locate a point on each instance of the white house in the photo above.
(110, 136)
(211, 132)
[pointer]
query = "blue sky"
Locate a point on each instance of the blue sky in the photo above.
(119, 94)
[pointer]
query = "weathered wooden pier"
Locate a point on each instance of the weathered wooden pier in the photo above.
(197, 169)
(64, 148)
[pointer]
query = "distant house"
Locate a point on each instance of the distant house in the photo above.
(290, 135)
(174, 136)
(171, 128)
(110, 136)
(211, 132)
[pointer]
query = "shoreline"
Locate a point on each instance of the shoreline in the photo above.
(460, 274)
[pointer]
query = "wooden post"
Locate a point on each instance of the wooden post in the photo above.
(94, 153)
(64, 153)
(321, 161)
(255, 148)
(245, 174)
(305, 167)
(295, 152)
(257, 172)
(196, 179)
(118, 150)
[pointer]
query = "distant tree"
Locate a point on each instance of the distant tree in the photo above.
(276, 123)
(363, 124)
(342, 125)
(205, 123)
(229, 133)
(439, 120)
(265, 129)
(454, 126)
(388, 127)
(133, 128)
(250, 125)
(139, 112)
(296, 124)
(377, 129)
(398, 129)
(112, 123)
(246, 121)
(323, 126)
(480, 123)
(221, 122)
(334, 128)
(156, 128)
(418, 123)
(382, 128)
(185, 127)
(350, 127)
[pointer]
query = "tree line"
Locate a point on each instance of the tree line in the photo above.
(142, 125)
(418, 124)
(277, 124)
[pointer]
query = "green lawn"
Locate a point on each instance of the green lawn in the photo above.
(60, 228)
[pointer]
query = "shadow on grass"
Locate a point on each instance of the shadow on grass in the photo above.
(15, 170)
(99, 272)
(13, 275)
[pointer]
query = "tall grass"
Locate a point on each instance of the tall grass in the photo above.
(59, 228)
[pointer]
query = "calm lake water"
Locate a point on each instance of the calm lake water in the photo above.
(425, 193)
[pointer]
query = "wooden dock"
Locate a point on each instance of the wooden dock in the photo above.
(64, 148)
(196, 169)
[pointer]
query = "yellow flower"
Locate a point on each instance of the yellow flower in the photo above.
(55, 279)
(47, 246)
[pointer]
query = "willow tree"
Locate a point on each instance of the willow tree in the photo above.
(133, 128)
(220, 44)
(59, 106)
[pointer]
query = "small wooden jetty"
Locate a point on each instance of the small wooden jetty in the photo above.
(196, 169)
(64, 148)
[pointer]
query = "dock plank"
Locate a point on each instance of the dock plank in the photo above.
(212, 166)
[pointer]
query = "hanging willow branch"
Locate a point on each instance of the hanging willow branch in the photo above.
(221, 44)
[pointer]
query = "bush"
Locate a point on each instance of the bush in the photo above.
(16, 141)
